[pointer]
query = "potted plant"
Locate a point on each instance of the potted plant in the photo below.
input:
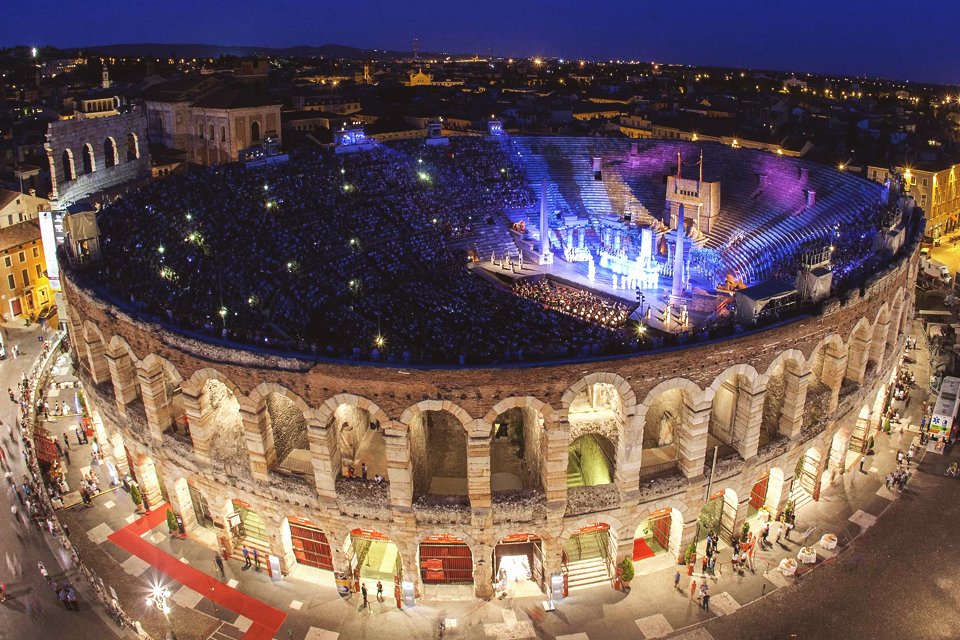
(137, 497)
(172, 523)
(626, 572)
(689, 557)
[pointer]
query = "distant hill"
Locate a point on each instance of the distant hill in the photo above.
(159, 50)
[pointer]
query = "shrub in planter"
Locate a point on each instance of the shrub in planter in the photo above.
(745, 532)
(626, 571)
(136, 496)
(690, 551)
(172, 522)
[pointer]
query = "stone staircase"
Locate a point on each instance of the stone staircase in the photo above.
(587, 563)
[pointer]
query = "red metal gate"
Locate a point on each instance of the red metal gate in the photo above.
(759, 493)
(445, 559)
(310, 545)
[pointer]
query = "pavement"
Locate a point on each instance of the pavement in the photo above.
(834, 597)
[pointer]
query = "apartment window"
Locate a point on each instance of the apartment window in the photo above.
(11, 282)
(223, 134)
(10, 219)
(23, 256)
(7, 261)
(923, 199)
(925, 181)
(36, 252)
(25, 276)
(39, 272)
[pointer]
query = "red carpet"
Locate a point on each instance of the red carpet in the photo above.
(266, 619)
(641, 550)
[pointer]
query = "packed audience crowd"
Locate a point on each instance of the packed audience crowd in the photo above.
(337, 255)
(579, 303)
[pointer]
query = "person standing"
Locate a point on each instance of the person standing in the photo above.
(693, 589)
(246, 556)
(379, 591)
(363, 594)
(676, 580)
(256, 558)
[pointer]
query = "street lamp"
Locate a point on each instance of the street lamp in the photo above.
(158, 598)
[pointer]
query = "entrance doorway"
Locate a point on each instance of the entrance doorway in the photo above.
(807, 478)
(758, 495)
(586, 559)
(653, 535)
(373, 557)
(200, 507)
(310, 544)
(719, 515)
(445, 559)
(518, 565)
(247, 527)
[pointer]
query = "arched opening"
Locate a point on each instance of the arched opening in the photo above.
(133, 147)
(518, 565)
(859, 438)
(438, 453)
(596, 418)
(774, 421)
(307, 542)
(109, 152)
(359, 442)
(89, 164)
(373, 556)
(657, 540)
(255, 131)
(193, 504)
(178, 425)
(587, 558)
(517, 450)
(590, 461)
(826, 376)
(718, 517)
(247, 528)
(69, 170)
(859, 364)
(289, 428)
(807, 478)
(445, 559)
(666, 418)
(729, 416)
(221, 411)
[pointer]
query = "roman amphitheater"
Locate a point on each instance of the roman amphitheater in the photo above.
(383, 464)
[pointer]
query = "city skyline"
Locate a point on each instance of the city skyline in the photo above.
(879, 43)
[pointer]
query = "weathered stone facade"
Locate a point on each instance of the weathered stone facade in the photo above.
(88, 155)
(845, 355)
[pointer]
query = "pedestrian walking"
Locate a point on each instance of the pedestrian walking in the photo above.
(219, 562)
(66, 530)
(256, 558)
(693, 589)
(43, 571)
(72, 599)
(379, 591)
(704, 594)
(676, 580)
(712, 564)
(779, 532)
(363, 593)
(66, 441)
(246, 556)
(763, 535)
(66, 456)
(862, 460)
(62, 596)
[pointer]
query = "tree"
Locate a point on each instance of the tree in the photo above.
(172, 521)
(136, 495)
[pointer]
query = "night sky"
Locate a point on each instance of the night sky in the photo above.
(904, 40)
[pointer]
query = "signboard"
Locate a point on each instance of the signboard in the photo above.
(49, 240)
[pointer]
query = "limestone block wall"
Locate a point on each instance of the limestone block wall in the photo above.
(73, 135)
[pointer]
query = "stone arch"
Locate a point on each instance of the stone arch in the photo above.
(591, 460)
(255, 133)
(440, 430)
(605, 404)
(668, 417)
(736, 407)
(879, 332)
(572, 527)
(96, 353)
(519, 445)
(67, 166)
(110, 156)
(827, 364)
(133, 147)
(212, 402)
(89, 160)
(275, 425)
(122, 363)
(858, 350)
(785, 395)
(161, 387)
